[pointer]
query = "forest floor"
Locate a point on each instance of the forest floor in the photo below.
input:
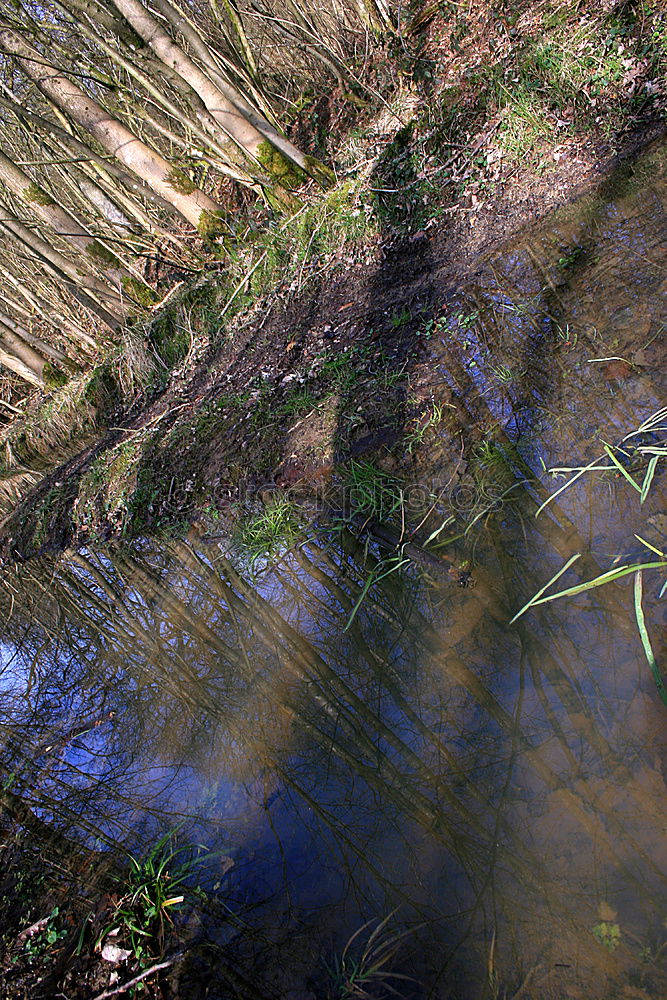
(308, 347)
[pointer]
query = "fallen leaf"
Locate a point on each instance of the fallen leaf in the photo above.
(617, 369)
(112, 953)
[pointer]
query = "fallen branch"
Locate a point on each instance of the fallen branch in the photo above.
(137, 979)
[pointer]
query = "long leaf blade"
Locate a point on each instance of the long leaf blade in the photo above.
(646, 641)
(648, 478)
(534, 598)
(599, 581)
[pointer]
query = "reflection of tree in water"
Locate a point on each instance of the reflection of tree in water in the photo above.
(397, 762)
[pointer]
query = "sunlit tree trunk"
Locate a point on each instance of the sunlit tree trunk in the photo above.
(70, 146)
(23, 351)
(47, 350)
(275, 154)
(149, 165)
(9, 360)
(375, 14)
(64, 224)
(50, 259)
(94, 288)
(47, 309)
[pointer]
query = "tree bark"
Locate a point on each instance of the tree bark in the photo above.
(63, 223)
(273, 152)
(40, 345)
(110, 299)
(130, 181)
(150, 166)
(23, 351)
(48, 311)
(84, 289)
(19, 368)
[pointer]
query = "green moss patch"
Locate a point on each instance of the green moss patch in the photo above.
(37, 195)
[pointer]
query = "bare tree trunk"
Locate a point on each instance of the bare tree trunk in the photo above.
(23, 351)
(82, 288)
(19, 368)
(375, 14)
(40, 345)
(64, 224)
(272, 151)
(195, 206)
(69, 142)
(108, 297)
(48, 312)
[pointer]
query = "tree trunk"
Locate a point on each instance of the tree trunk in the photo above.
(375, 15)
(274, 153)
(109, 298)
(64, 224)
(134, 184)
(19, 368)
(23, 351)
(48, 311)
(195, 206)
(40, 345)
(82, 288)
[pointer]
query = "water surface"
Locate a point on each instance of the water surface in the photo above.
(495, 792)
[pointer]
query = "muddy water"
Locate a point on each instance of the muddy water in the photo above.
(494, 791)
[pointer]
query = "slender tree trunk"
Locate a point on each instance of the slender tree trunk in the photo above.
(49, 312)
(62, 268)
(202, 126)
(23, 351)
(146, 163)
(276, 154)
(375, 15)
(40, 345)
(19, 367)
(239, 31)
(80, 276)
(71, 144)
(64, 224)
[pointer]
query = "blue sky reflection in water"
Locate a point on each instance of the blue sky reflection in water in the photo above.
(499, 789)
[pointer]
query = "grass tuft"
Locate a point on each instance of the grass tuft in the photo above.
(270, 530)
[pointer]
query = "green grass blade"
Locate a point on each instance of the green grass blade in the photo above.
(622, 470)
(534, 599)
(663, 555)
(573, 479)
(599, 581)
(648, 478)
(646, 642)
(650, 424)
(434, 534)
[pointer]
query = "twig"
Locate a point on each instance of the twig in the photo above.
(137, 979)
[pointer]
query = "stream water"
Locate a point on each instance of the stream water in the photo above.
(495, 792)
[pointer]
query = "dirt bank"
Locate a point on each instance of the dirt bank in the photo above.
(301, 382)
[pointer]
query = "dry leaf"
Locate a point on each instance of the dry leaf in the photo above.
(112, 953)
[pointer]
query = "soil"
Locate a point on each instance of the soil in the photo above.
(303, 383)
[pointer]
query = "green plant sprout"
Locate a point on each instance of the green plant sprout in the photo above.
(608, 934)
(651, 452)
(430, 419)
(504, 374)
(155, 887)
(275, 528)
(366, 975)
